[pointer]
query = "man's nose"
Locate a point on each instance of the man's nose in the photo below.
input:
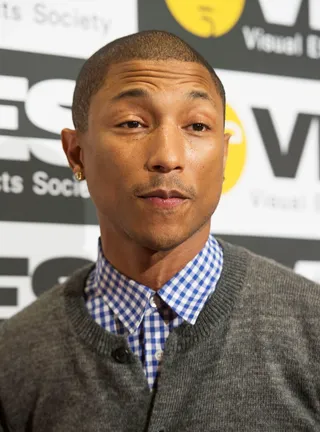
(166, 149)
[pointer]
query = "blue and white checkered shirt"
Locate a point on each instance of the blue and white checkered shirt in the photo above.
(124, 306)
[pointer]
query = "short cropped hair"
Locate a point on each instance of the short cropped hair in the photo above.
(145, 45)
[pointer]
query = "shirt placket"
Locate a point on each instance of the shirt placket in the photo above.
(155, 334)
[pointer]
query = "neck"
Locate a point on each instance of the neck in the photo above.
(148, 267)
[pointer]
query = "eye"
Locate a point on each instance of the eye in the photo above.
(199, 127)
(132, 124)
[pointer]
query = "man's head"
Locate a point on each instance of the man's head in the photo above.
(149, 117)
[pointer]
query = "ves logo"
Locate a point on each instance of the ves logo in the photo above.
(213, 18)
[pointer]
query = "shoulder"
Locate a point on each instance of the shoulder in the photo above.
(25, 331)
(38, 324)
(35, 317)
(25, 341)
(271, 282)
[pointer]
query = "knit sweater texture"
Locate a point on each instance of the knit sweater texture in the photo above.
(250, 363)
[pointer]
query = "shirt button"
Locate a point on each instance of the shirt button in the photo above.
(152, 302)
(159, 355)
(121, 355)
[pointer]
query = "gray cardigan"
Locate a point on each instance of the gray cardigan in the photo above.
(250, 363)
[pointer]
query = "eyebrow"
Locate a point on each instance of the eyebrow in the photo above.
(198, 94)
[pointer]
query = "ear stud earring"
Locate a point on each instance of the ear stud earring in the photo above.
(79, 175)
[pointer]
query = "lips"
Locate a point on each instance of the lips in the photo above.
(164, 199)
(164, 194)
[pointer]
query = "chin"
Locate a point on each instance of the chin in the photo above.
(160, 241)
(165, 238)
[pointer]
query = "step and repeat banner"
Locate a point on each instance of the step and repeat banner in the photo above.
(267, 54)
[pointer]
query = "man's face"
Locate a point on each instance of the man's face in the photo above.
(154, 151)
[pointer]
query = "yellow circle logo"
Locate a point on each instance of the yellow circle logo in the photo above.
(237, 149)
(206, 18)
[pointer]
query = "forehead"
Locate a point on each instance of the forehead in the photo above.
(158, 75)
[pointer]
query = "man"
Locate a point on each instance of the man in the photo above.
(171, 329)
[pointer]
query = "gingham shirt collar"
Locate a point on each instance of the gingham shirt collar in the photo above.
(186, 292)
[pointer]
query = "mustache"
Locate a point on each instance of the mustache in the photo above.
(158, 182)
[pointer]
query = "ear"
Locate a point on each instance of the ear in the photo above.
(72, 149)
(226, 139)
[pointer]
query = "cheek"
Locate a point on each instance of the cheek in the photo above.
(108, 168)
(211, 164)
(103, 161)
(210, 178)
